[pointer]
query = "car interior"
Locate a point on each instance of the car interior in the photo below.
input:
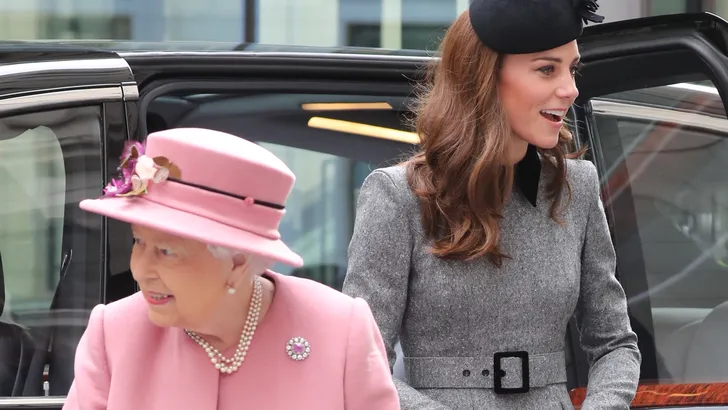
(16, 350)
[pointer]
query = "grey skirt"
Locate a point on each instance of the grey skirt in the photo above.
(554, 396)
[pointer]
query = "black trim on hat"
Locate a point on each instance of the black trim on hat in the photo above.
(530, 26)
(217, 191)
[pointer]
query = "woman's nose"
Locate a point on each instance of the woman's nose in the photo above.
(568, 89)
(142, 265)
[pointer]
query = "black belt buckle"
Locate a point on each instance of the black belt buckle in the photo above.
(497, 373)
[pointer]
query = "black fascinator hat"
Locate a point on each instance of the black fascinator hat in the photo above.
(530, 26)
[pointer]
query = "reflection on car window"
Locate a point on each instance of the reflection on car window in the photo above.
(48, 162)
(319, 212)
(666, 154)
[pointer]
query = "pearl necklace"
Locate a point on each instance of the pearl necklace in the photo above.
(222, 363)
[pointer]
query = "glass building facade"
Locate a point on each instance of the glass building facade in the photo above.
(377, 23)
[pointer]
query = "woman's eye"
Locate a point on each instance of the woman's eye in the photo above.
(576, 69)
(166, 252)
(549, 69)
(138, 241)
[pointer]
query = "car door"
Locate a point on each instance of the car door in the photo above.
(652, 110)
(61, 112)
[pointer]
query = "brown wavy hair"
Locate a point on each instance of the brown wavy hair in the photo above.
(461, 174)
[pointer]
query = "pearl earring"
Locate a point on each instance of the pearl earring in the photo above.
(231, 290)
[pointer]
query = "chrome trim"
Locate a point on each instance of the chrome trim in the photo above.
(130, 91)
(302, 54)
(30, 402)
(63, 65)
(393, 57)
(90, 95)
(695, 87)
(642, 112)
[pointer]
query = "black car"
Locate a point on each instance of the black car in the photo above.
(650, 109)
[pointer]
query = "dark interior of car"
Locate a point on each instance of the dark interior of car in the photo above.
(16, 350)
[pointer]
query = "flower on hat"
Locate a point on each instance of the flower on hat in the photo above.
(138, 170)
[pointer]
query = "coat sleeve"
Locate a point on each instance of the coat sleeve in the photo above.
(379, 264)
(367, 381)
(90, 387)
(606, 335)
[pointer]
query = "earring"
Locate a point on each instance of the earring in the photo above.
(231, 290)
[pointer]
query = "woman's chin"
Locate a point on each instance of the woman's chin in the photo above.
(546, 143)
(160, 319)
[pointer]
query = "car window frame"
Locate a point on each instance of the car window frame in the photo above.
(155, 90)
(66, 81)
(101, 270)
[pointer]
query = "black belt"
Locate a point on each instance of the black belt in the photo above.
(504, 372)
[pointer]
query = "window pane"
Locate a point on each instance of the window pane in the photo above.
(140, 20)
(319, 218)
(393, 24)
(48, 162)
(666, 151)
(658, 7)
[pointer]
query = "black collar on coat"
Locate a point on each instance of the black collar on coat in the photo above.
(528, 174)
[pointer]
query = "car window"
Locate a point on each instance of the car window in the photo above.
(49, 161)
(665, 179)
(320, 211)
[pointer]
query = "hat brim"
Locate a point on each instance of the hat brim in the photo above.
(140, 211)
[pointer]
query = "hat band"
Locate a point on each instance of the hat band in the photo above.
(217, 207)
(217, 191)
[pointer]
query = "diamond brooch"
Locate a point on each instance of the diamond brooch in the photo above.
(298, 348)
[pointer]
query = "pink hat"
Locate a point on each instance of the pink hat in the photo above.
(203, 185)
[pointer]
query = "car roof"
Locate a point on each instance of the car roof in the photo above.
(139, 49)
(129, 46)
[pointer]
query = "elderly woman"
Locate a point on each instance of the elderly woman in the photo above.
(212, 327)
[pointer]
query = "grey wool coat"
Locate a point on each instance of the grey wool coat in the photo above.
(453, 317)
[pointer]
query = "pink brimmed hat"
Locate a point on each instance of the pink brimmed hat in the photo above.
(203, 185)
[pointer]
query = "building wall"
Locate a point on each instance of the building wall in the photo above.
(385, 23)
(614, 10)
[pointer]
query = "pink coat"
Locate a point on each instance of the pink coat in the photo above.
(126, 362)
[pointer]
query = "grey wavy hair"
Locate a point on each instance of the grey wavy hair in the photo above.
(254, 264)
